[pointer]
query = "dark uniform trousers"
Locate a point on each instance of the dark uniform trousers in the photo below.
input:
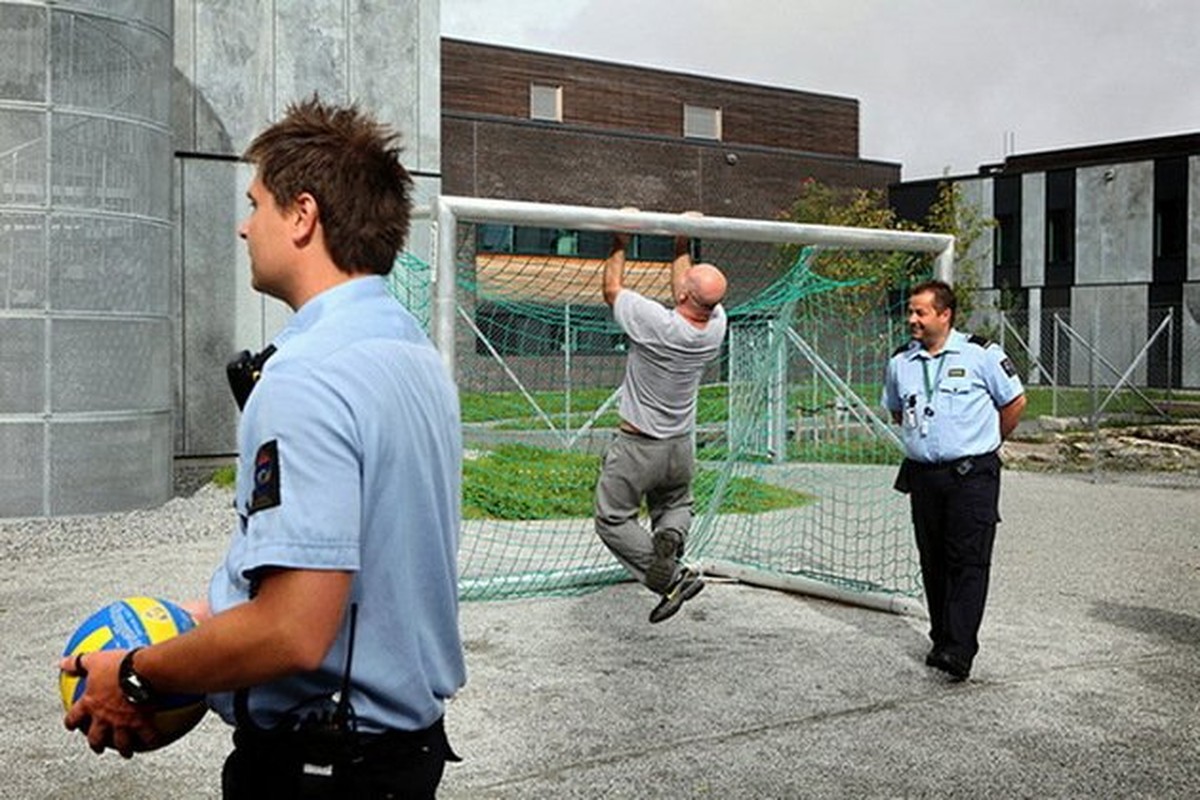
(955, 508)
(265, 765)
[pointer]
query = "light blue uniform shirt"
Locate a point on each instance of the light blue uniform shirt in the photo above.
(349, 458)
(949, 402)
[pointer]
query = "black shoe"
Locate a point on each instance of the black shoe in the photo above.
(668, 544)
(959, 669)
(684, 589)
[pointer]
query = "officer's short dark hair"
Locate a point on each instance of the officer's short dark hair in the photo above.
(943, 295)
(350, 163)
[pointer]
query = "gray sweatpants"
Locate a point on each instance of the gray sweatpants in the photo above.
(634, 467)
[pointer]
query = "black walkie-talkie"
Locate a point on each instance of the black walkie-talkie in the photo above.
(244, 371)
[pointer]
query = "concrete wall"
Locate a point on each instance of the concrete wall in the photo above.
(1033, 229)
(1194, 212)
(1190, 331)
(978, 194)
(238, 64)
(85, 242)
(1114, 318)
(1114, 223)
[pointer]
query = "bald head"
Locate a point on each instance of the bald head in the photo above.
(705, 284)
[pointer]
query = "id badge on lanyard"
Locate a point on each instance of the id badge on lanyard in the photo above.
(930, 392)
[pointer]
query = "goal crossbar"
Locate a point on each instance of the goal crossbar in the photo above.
(451, 210)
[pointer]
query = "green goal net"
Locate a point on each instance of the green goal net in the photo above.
(794, 462)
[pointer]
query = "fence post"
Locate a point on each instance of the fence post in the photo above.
(1054, 388)
(1093, 391)
(567, 365)
(1170, 353)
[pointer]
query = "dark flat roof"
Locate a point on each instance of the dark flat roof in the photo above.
(1180, 144)
(1183, 144)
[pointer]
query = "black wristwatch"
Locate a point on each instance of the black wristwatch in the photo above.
(135, 688)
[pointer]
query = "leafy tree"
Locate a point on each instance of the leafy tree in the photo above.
(821, 204)
(869, 307)
(950, 213)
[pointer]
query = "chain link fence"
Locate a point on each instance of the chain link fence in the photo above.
(1111, 397)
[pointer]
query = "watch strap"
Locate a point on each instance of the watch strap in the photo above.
(137, 689)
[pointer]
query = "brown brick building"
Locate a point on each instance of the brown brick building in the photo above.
(534, 126)
(521, 125)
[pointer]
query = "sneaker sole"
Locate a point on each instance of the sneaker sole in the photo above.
(686, 593)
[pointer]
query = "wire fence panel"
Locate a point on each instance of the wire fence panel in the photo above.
(1108, 398)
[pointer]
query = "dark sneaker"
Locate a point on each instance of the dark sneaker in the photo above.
(668, 545)
(684, 589)
(958, 669)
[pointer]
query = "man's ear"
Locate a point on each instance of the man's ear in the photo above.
(305, 216)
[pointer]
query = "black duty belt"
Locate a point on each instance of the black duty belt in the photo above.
(325, 746)
(963, 464)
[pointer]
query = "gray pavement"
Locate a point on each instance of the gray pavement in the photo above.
(1088, 683)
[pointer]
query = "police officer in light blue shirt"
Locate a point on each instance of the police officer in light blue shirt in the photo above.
(330, 635)
(350, 445)
(956, 398)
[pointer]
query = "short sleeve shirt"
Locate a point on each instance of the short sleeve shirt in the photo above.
(949, 402)
(667, 356)
(349, 459)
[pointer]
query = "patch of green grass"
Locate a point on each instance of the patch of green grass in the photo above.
(225, 476)
(491, 406)
(746, 495)
(711, 406)
(517, 482)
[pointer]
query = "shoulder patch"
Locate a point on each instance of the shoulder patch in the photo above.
(1009, 368)
(266, 478)
(979, 340)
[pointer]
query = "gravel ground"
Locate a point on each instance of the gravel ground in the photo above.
(1088, 684)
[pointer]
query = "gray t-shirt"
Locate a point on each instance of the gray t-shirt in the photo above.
(667, 356)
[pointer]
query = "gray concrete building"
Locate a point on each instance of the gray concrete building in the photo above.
(123, 287)
(1105, 238)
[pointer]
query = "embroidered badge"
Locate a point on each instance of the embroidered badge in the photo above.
(266, 478)
(1008, 367)
(957, 372)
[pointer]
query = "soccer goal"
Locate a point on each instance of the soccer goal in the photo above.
(794, 462)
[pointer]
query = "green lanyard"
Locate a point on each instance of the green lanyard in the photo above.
(937, 378)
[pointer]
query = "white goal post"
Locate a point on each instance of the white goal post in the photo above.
(449, 211)
(843, 547)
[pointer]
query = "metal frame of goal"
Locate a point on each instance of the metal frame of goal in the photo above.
(449, 213)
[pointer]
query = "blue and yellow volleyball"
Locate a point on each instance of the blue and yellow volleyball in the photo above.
(125, 624)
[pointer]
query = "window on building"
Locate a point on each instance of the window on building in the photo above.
(494, 238)
(540, 330)
(523, 240)
(701, 122)
(1006, 255)
(1170, 229)
(1007, 250)
(1171, 186)
(545, 102)
(1060, 227)
(1060, 235)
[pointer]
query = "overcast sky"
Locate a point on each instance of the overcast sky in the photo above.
(941, 84)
